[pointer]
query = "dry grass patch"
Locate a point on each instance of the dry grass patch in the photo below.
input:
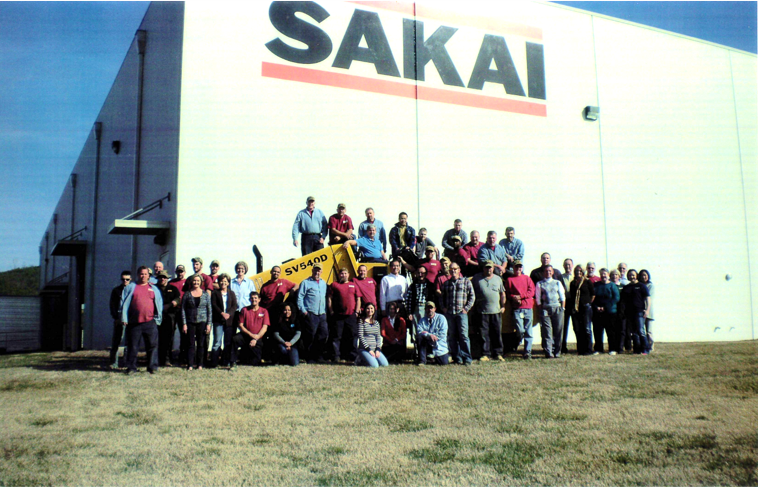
(685, 415)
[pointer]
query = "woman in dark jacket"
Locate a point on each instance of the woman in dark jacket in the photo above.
(636, 300)
(224, 304)
(196, 321)
(604, 311)
(287, 335)
(579, 304)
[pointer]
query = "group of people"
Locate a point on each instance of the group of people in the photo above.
(428, 296)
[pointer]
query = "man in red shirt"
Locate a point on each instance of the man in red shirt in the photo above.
(215, 266)
(273, 292)
(141, 312)
(207, 281)
(179, 280)
(469, 252)
(443, 276)
(343, 300)
(432, 265)
(367, 287)
(253, 324)
(520, 290)
(340, 226)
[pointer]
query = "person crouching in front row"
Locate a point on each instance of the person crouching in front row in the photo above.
(253, 323)
(432, 336)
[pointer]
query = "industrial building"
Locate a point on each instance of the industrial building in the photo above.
(596, 138)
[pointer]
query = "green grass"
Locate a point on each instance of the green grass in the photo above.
(685, 415)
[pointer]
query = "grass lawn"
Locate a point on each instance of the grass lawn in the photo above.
(687, 414)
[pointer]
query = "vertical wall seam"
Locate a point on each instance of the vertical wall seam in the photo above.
(744, 198)
(418, 158)
(600, 141)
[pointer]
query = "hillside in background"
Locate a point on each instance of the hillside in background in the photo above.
(20, 282)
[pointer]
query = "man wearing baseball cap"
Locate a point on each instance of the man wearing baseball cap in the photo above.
(310, 222)
(206, 281)
(311, 301)
(340, 226)
(432, 336)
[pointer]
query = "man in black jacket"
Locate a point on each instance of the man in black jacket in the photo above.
(419, 292)
(118, 326)
(171, 301)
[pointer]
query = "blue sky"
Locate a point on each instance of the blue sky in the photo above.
(58, 61)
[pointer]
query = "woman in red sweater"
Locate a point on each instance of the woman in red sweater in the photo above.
(394, 335)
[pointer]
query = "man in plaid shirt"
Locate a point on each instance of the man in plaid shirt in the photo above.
(458, 299)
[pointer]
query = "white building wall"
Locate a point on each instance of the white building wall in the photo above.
(657, 182)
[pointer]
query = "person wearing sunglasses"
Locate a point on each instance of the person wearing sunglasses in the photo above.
(118, 326)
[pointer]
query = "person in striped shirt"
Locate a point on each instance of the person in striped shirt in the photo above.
(370, 339)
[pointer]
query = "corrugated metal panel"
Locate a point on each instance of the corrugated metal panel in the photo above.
(19, 323)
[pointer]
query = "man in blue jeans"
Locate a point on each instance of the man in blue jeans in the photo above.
(311, 301)
(432, 335)
(311, 225)
(458, 299)
(141, 314)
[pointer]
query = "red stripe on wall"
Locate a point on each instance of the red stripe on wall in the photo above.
(484, 23)
(394, 88)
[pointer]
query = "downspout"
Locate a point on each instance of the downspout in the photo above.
(141, 46)
(92, 250)
(73, 280)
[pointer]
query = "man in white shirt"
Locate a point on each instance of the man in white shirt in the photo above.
(393, 288)
(551, 299)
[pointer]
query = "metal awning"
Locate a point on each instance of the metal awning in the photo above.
(138, 227)
(129, 226)
(69, 247)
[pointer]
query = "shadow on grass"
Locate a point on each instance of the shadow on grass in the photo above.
(88, 360)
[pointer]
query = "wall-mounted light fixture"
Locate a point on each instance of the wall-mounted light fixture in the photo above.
(591, 114)
(116, 146)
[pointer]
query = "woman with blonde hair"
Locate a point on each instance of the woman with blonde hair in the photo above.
(579, 304)
(196, 321)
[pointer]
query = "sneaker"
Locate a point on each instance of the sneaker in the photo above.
(420, 364)
(131, 372)
(500, 358)
(643, 353)
(484, 359)
(549, 355)
(527, 356)
(113, 366)
(153, 371)
(611, 353)
(595, 353)
(557, 355)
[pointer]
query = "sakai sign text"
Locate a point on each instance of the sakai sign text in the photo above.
(482, 57)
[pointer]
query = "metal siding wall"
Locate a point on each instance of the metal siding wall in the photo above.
(671, 157)
(267, 144)
(746, 100)
(19, 323)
